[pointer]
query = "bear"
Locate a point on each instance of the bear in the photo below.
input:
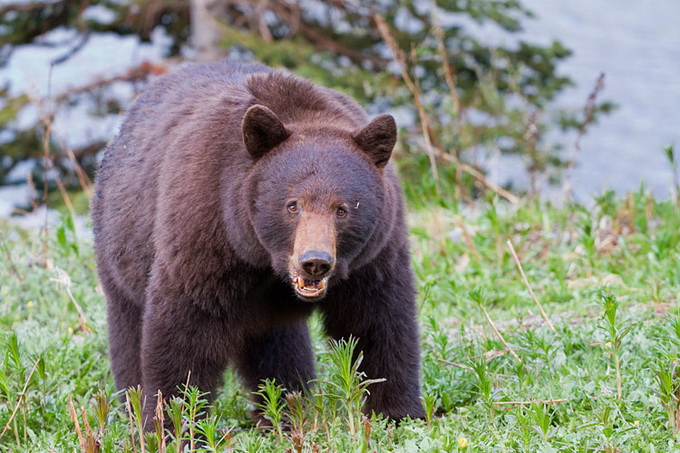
(235, 201)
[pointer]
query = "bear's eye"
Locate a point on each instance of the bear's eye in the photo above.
(293, 207)
(341, 212)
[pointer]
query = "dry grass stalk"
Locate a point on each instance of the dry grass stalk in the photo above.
(64, 280)
(488, 356)
(20, 400)
(47, 133)
(526, 403)
(92, 439)
(400, 58)
(479, 176)
(86, 422)
(526, 283)
(468, 238)
(63, 191)
(84, 180)
(432, 151)
(457, 365)
(450, 78)
(498, 334)
(130, 413)
(159, 421)
(74, 417)
(47, 119)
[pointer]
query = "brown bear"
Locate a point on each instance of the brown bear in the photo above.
(233, 202)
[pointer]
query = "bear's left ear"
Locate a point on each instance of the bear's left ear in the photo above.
(377, 139)
(262, 130)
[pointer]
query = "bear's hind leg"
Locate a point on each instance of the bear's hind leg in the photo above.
(125, 333)
(179, 346)
(284, 354)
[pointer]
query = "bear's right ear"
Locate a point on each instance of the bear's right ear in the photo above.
(377, 139)
(262, 130)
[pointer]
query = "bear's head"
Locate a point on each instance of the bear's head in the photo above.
(316, 195)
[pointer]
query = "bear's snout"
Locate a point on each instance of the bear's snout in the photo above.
(313, 259)
(316, 264)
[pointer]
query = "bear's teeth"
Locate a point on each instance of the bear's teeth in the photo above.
(314, 284)
(309, 288)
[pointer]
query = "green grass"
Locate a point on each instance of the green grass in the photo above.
(607, 379)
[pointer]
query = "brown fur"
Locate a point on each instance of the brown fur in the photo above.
(225, 182)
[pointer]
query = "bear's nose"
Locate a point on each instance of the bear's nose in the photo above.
(316, 264)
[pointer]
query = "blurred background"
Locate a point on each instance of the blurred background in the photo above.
(558, 100)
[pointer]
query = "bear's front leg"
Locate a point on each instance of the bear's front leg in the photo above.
(283, 353)
(180, 344)
(377, 306)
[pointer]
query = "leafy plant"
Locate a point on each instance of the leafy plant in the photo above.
(272, 404)
(668, 388)
(615, 333)
(346, 384)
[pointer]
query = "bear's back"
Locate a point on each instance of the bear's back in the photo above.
(126, 200)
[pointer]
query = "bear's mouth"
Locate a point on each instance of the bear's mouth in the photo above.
(309, 290)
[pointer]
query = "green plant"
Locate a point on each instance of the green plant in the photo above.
(668, 388)
(542, 417)
(135, 408)
(346, 384)
(214, 439)
(615, 333)
(66, 234)
(484, 383)
(175, 410)
(670, 155)
(196, 406)
(272, 404)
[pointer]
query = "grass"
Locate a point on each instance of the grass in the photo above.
(606, 380)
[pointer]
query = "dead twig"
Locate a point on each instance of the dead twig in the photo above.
(450, 78)
(526, 283)
(468, 238)
(498, 334)
(64, 280)
(136, 74)
(458, 365)
(74, 416)
(400, 58)
(526, 403)
(479, 176)
(83, 179)
(432, 151)
(22, 397)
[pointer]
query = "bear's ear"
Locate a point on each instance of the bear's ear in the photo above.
(377, 139)
(262, 130)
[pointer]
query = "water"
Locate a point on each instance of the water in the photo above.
(636, 43)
